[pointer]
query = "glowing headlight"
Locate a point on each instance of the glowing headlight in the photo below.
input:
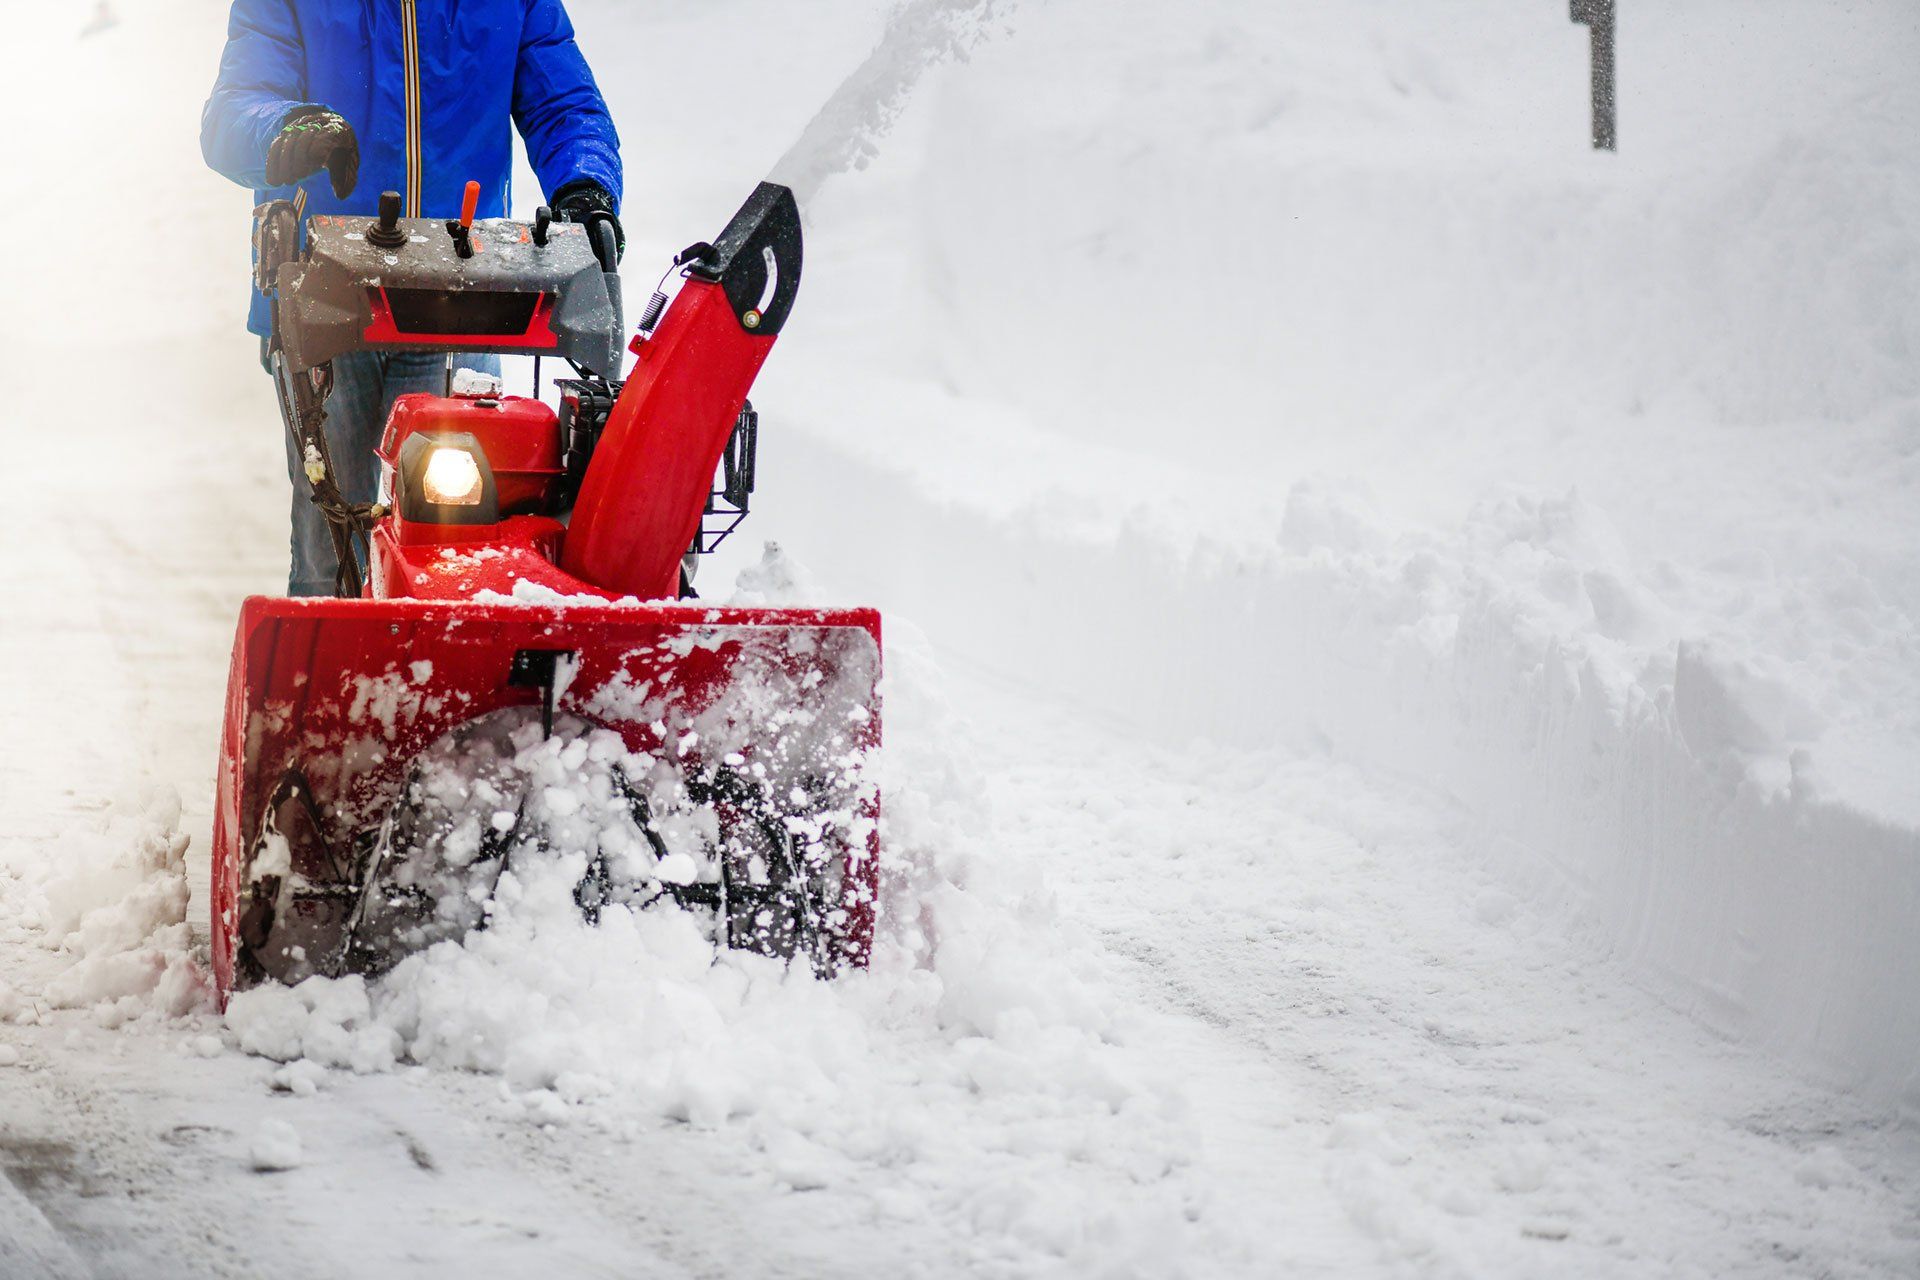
(451, 479)
(444, 478)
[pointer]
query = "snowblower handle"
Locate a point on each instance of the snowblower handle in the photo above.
(276, 241)
(469, 204)
(606, 245)
(448, 287)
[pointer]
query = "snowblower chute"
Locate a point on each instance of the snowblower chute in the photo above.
(511, 672)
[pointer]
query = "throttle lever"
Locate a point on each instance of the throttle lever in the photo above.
(462, 230)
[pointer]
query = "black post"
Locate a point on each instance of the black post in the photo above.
(1597, 17)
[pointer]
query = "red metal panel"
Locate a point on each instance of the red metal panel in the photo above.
(459, 561)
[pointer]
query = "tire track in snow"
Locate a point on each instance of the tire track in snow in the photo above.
(1482, 1094)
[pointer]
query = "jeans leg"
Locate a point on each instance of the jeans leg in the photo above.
(406, 372)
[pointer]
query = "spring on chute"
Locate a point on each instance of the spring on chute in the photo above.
(651, 316)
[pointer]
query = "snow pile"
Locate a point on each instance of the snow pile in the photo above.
(1653, 792)
(983, 1045)
(1295, 376)
(775, 580)
(114, 906)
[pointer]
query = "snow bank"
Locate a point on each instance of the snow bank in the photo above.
(112, 902)
(1630, 795)
(1295, 376)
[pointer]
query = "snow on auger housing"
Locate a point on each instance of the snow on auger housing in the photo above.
(388, 755)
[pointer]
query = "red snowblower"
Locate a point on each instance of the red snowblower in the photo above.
(525, 598)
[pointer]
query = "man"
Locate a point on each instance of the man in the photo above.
(327, 103)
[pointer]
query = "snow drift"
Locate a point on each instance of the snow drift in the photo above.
(1296, 376)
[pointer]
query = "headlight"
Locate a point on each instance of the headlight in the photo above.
(452, 478)
(443, 477)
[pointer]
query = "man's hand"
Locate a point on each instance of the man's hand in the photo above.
(586, 201)
(311, 139)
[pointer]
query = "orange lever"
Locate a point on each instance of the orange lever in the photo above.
(469, 203)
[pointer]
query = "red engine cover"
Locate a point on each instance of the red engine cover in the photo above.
(521, 438)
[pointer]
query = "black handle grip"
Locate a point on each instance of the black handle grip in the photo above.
(606, 244)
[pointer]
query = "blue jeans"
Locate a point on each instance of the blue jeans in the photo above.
(365, 384)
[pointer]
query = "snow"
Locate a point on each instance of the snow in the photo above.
(115, 909)
(472, 382)
(994, 1034)
(535, 593)
(1580, 488)
(275, 1148)
(1401, 695)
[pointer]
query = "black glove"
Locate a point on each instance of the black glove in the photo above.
(587, 202)
(311, 139)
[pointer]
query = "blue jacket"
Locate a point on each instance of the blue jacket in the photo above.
(429, 86)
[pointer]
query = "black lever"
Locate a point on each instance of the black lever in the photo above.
(542, 223)
(462, 230)
(386, 233)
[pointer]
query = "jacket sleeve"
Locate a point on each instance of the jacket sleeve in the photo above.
(262, 77)
(568, 131)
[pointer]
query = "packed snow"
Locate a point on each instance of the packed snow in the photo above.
(1401, 685)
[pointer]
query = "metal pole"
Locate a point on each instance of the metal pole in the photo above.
(1597, 17)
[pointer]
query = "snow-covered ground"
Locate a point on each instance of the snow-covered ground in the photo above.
(1402, 701)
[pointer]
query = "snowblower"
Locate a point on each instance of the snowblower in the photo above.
(525, 591)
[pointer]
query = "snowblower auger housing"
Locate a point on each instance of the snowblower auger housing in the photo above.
(388, 755)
